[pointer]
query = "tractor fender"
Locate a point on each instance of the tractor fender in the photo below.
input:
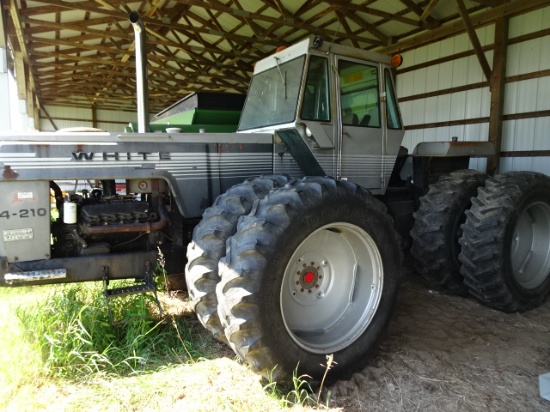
(453, 149)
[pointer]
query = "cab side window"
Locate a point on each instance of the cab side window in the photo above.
(392, 110)
(316, 101)
(360, 94)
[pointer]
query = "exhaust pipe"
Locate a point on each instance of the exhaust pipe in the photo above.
(141, 73)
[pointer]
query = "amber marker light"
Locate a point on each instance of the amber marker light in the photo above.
(396, 60)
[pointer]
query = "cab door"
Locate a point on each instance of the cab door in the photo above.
(362, 133)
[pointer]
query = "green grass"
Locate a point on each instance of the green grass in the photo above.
(65, 349)
(77, 332)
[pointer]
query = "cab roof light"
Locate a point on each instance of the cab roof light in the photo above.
(396, 60)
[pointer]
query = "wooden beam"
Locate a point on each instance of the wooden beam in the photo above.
(20, 76)
(526, 76)
(29, 78)
(428, 10)
(526, 153)
(3, 27)
(49, 118)
(365, 25)
(39, 10)
(480, 19)
(363, 8)
(527, 115)
(487, 47)
(36, 113)
(30, 103)
(18, 28)
(477, 120)
(488, 3)
(431, 23)
(295, 22)
(497, 83)
(448, 123)
(94, 115)
(474, 39)
(443, 92)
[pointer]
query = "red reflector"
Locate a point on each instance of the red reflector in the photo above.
(309, 277)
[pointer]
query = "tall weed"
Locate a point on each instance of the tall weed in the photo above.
(79, 333)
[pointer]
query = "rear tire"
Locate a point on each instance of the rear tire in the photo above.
(506, 242)
(208, 245)
(437, 228)
(313, 270)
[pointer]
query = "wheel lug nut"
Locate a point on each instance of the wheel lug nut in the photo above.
(297, 282)
(309, 291)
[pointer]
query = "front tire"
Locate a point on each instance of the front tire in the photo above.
(312, 271)
(219, 222)
(506, 242)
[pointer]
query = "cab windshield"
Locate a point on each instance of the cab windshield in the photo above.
(273, 96)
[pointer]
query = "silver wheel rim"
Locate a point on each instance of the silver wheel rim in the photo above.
(331, 288)
(530, 253)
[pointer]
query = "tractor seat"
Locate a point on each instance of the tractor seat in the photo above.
(350, 120)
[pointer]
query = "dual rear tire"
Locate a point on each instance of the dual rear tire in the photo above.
(505, 248)
(314, 270)
(438, 228)
(489, 237)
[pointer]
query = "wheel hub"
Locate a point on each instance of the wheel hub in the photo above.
(309, 278)
(312, 277)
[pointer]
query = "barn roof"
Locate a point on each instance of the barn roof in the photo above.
(80, 53)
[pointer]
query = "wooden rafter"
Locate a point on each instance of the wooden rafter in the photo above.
(428, 10)
(488, 3)
(81, 53)
(457, 26)
(430, 21)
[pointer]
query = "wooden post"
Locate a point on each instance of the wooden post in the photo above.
(497, 83)
(5, 115)
(20, 76)
(94, 115)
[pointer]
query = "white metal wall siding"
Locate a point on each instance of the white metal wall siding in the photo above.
(521, 96)
(528, 95)
(455, 106)
(114, 121)
(63, 117)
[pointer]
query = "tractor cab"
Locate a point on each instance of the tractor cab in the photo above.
(332, 108)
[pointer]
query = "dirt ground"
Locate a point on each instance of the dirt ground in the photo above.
(448, 353)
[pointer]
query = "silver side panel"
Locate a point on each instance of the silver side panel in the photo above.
(197, 167)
